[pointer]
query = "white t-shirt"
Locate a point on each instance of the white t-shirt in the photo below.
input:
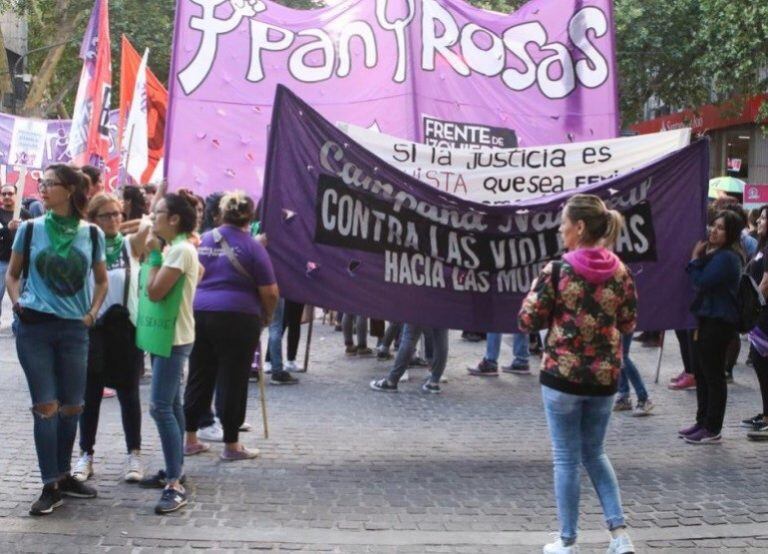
(116, 275)
(183, 256)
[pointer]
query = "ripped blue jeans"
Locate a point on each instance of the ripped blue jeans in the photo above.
(54, 357)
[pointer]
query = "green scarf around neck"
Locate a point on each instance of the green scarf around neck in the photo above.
(62, 231)
(113, 248)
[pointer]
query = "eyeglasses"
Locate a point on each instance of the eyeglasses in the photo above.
(8, 194)
(44, 184)
(110, 215)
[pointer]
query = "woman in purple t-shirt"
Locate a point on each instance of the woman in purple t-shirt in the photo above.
(236, 296)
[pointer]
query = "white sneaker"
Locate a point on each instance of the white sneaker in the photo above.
(245, 427)
(621, 545)
(267, 367)
(405, 378)
(134, 469)
(290, 365)
(558, 547)
(213, 433)
(643, 408)
(83, 468)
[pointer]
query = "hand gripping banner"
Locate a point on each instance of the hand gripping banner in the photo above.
(348, 231)
(434, 71)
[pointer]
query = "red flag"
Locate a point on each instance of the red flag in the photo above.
(157, 104)
(89, 137)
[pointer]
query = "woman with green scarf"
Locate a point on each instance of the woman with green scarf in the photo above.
(56, 306)
(113, 358)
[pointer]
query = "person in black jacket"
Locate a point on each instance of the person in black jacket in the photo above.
(715, 269)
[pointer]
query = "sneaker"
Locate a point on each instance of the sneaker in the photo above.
(158, 481)
(430, 388)
(364, 351)
(702, 436)
(760, 434)
(687, 382)
(753, 422)
(236, 455)
(729, 378)
(678, 377)
(290, 365)
(350, 350)
(69, 486)
(695, 428)
(196, 448)
(643, 408)
(283, 378)
(558, 547)
(49, 500)
(472, 337)
(622, 404)
(213, 432)
(267, 367)
(382, 354)
(108, 393)
(245, 427)
(134, 469)
(517, 369)
(83, 468)
(406, 377)
(170, 501)
(485, 368)
(621, 545)
(383, 385)
(253, 376)
(418, 361)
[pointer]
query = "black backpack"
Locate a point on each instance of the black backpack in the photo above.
(749, 303)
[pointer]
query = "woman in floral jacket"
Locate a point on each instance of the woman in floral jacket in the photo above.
(587, 302)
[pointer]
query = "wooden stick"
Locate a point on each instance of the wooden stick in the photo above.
(309, 340)
(661, 352)
(262, 394)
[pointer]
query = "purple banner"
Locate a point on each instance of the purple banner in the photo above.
(436, 71)
(349, 232)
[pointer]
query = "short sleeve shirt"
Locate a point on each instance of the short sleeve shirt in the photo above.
(183, 256)
(59, 285)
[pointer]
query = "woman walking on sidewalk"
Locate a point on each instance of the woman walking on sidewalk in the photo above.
(715, 269)
(587, 302)
(56, 307)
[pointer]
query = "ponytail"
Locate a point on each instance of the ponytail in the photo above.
(615, 223)
(601, 225)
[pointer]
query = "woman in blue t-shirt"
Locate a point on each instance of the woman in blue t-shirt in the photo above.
(236, 296)
(56, 306)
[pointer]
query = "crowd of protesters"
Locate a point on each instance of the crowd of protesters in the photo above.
(77, 261)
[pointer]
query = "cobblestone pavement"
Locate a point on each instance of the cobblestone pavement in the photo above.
(350, 470)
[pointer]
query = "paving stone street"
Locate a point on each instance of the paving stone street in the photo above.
(351, 471)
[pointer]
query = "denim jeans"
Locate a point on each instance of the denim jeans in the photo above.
(520, 348)
(347, 323)
(54, 356)
(275, 341)
(390, 336)
(577, 426)
(629, 373)
(165, 407)
(409, 340)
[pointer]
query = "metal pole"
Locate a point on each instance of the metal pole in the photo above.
(309, 339)
(661, 352)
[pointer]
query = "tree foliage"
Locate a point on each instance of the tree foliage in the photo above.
(681, 52)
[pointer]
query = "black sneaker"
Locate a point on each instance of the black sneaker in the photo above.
(418, 361)
(158, 481)
(485, 368)
(170, 501)
(430, 388)
(350, 350)
(383, 355)
(283, 378)
(473, 337)
(49, 500)
(517, 369)
(69, 486)
(383, 385)
(753, 423)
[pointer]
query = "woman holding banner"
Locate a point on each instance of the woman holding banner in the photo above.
(167, 287)
(587, 302)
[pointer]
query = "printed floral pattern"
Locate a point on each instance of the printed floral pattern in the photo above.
(584, 343)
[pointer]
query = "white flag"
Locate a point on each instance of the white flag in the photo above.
(135, 154)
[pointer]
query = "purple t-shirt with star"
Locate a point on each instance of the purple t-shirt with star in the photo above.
(223, 288)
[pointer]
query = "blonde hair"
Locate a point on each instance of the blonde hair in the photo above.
(99, 201)
(236, 208)
(600, 223)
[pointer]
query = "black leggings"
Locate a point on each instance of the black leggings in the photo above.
(130, 410)
(761, 368)
(685, 339)
(292, 322)
(221, 359)
(711, 388)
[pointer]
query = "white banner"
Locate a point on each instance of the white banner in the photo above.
(28, 142)
(505, 176)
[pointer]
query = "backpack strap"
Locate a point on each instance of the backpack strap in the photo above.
(27, 248)
(230, 254)
(127, 261)
(556, 266)
(94, 242)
